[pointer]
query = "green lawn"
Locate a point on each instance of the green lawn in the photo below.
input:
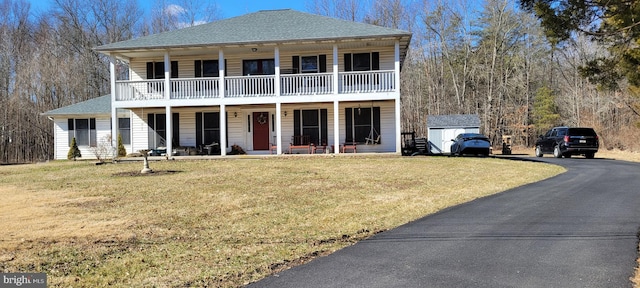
(224, 222)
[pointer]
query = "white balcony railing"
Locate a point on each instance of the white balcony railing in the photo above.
(195, 88)
(249, 86)
(306, 84)
(367, 81)
(139, 90)
(258, 86)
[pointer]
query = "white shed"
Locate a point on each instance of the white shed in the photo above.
(441, 129)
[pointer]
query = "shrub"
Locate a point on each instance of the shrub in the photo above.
(121, 151)
(74, 152)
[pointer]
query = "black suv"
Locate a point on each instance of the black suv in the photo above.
(565, 141)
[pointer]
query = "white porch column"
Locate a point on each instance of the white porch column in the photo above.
(221, 72)
(336, 76)
(223, 129)
(114, 114)
(336, 104)
(276, 81)
(336, 127)
(169, 131)
(279, 127)
(397, 100)
(167, 76)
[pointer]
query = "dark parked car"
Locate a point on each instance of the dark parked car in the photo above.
(565, 141)
(471, 143)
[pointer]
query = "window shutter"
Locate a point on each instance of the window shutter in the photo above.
(175, 119)
(323, 63)
(225, 68)
(174, 69)
(295, 60)
(296, 123)
(323, 127)
(348, 124)
(70, 129)
(375, 61)
(198, 129)
(198, 68)
(376, 122)
(150, 74)
(152, 134)
(347, 62)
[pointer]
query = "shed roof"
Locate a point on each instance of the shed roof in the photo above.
(453, 121)
(96, 106)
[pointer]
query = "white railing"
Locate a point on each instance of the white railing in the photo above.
(195, 88)
(139, 90)
(367, 81)
(306, 84)
(249, 86)
(258, 86)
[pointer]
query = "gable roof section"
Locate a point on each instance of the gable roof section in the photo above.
(265, 26)
(452, 121)
(96, 106)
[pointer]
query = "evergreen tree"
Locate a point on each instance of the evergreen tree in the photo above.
(545, 111)
(74, 152)
(121, 151)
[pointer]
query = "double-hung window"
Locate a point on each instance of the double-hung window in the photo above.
(155, 70)
(124, 130)
(362, 123)
(84, 130)
(311, 122)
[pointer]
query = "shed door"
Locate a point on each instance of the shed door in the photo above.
(448, 135)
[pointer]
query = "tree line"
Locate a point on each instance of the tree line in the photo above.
(489, 58)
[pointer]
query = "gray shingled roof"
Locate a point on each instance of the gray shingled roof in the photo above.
(259, 27)
(96, 106)
(451, 121)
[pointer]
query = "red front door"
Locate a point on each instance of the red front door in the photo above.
(260, 130)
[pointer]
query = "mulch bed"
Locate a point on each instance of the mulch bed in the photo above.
(137, 173)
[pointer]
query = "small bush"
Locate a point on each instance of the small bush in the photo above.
(74, 152)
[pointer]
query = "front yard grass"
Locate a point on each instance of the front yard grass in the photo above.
(223, 222)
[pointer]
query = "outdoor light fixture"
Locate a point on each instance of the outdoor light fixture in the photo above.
(285, 113)
(235, 114)
(254, 49)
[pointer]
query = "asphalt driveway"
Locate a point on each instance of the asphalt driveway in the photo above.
(578, 229)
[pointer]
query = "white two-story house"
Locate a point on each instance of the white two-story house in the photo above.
(269, 82)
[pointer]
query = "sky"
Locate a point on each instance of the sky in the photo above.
(228, 8)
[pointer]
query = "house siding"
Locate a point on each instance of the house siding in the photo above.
(61, 130)
(186, 68)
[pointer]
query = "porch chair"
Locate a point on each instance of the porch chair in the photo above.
(300, 142)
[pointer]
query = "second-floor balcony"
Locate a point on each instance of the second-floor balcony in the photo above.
(290, 85)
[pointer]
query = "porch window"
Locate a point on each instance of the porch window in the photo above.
(311, 122)
(157, 130)
(124, 130)
(309, 64)
(362, 61)
(258, 67)
(208, 128)
(208, 68)
(84, 130)
(155, 70)
(362, 123)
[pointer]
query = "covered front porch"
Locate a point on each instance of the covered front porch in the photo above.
(267, 128)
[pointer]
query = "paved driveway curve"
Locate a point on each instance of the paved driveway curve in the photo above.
(578, 229)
